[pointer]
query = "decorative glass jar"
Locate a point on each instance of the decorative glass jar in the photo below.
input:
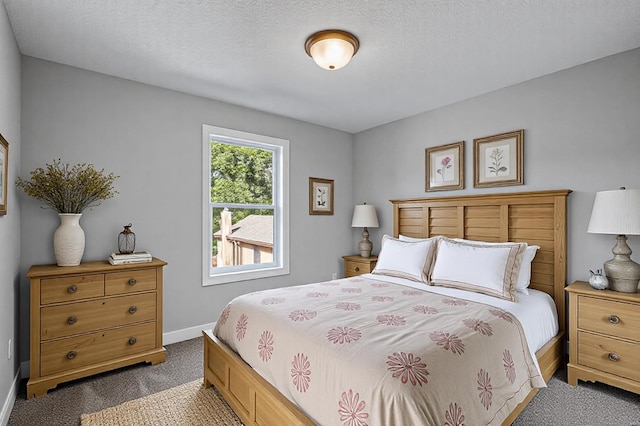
(126, 240)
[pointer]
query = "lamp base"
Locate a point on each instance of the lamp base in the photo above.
(622, 272)
(365, 246)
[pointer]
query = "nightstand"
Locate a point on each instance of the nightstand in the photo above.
(604, 337)
(357, 265)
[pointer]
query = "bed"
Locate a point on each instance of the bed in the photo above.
(537, 218)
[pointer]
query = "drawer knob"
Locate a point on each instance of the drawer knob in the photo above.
(614, 357)
(72, 289)
(132, 340)
(72, 319)
(614, 319)
(132, 281)
(133, 310)
(357, 268)
(71, 354)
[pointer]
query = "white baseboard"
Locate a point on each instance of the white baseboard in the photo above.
(185, 333)
(167, 339)
(11, 399)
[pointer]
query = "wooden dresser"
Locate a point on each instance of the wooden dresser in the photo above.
(604, 337)
(358, 265)
(92, 318)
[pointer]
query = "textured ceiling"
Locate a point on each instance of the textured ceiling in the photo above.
(415, 55)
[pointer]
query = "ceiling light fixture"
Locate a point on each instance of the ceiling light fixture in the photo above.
(331, 49)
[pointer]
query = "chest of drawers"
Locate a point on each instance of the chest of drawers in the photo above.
(92, 318)
(604, 337)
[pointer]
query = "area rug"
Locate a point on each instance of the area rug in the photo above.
(187, 404)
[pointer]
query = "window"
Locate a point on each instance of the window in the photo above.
(245, 206)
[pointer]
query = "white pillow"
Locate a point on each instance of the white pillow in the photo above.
(405, 259)
(524, 275)
(488, 269)
(412, 239)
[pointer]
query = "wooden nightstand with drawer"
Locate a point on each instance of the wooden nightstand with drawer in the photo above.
(92, 318)
(358, 265)
(604, 337)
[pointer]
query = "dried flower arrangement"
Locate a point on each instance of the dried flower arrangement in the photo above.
(68, 189)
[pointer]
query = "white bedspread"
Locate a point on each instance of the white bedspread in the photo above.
(372, 350)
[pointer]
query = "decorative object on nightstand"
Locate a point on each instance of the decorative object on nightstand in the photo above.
(127, 240)
(69, 190)
(618, 212)
(604, 337)
(597, 280)
(364, 216)
(358, 265)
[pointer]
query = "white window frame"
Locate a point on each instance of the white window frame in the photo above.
(280, 265)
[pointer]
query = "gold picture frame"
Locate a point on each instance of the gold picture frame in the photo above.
(4, 174)
(320, 196)
(498, 160)
(444, 167)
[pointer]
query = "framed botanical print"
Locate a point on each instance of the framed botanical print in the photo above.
(320, 196)
(498, 160)
(444, 167)
(4, 174)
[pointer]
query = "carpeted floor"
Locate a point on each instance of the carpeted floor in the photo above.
(558, 405)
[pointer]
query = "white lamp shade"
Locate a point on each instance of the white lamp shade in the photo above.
(616, 212)
(364, 216)
(332, 53)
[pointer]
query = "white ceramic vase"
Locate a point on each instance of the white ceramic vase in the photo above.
(68, 240)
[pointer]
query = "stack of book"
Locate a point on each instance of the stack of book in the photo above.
(135, 257)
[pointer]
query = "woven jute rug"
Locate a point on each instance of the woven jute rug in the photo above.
(188, 404)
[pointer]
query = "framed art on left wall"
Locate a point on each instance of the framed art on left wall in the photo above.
(4, 174)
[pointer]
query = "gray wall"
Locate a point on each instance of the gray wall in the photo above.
(582, 132)
(152, 138)
(9, 224)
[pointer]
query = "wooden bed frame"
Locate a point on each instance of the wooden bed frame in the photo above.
(534, 217)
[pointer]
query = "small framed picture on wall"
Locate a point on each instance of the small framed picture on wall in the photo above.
(444, 167)
(498, 160)
(320, 196)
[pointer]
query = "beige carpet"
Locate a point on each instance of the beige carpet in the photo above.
(188, 404)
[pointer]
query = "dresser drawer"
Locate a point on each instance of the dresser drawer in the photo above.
(610, 317)
(83, 317)
(68, 289)
(82, 351)
(130, 281)
(618, 357)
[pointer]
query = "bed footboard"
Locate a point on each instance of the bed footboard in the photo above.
(252, 398)
(257, 402)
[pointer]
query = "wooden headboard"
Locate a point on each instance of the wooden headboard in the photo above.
(537, 218)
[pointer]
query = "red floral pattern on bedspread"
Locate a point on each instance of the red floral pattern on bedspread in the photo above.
(484, 386)
(351, 409)
(408, 367)
(265, 346)
(388, 354)
(301, 372)
(343, 335)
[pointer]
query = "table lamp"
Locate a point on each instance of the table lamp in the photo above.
(618, 212)
(364, 216)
